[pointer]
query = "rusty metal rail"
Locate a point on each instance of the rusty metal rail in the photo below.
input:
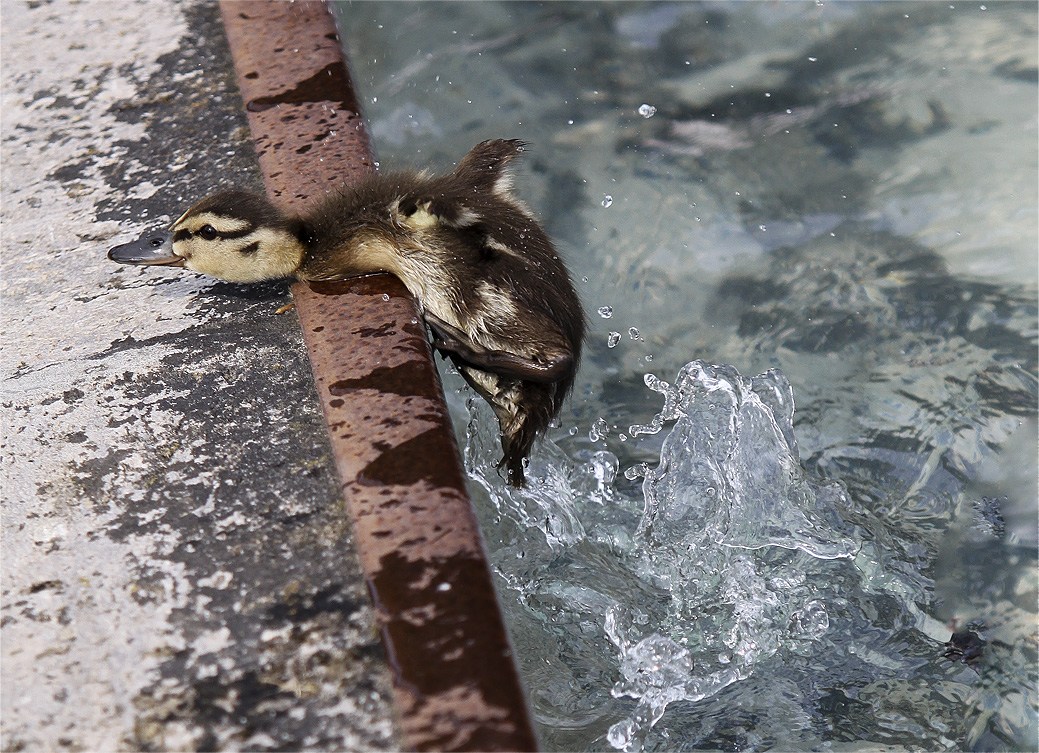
(456, 683)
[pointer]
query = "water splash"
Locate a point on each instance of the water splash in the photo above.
(727, 493)
(725, 565)
(599, 431)
(729, 471)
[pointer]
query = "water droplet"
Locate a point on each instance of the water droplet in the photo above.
(606, 311)
(613, 339)
(444, 587)
(812, 60)
(385, 296)
(607, 200)
(649, 357)
(599, 431)
(573, 431)
(647, 111)
(633, 333)
(636, 471)
(621, 734)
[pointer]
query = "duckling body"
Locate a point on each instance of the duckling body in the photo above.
(493, 290)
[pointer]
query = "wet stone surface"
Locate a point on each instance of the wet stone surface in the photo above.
(178, 567)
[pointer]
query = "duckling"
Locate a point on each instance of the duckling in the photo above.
(494, 293)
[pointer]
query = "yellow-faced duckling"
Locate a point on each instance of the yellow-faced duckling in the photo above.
(495, 294)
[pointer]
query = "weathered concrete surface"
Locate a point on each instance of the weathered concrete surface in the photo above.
(177, 568)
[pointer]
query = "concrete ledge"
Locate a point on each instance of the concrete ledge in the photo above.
(456, 684)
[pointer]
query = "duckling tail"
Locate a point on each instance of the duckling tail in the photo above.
(486, 166)
(531, 416)
(516, 449)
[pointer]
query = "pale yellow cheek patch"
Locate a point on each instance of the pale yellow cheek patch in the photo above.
(421, 219)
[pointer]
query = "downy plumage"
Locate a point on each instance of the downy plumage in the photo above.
(494, 292)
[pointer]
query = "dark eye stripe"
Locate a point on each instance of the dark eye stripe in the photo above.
(182, 234)
(252, 248)
(235, 233)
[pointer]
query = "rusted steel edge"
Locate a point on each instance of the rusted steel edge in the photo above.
(456, 683)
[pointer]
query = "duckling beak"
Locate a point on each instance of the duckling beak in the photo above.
(153, 247)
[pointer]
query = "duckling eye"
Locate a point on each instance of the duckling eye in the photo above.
(208, 232)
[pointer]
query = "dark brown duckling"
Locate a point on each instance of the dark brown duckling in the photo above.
(494, 292)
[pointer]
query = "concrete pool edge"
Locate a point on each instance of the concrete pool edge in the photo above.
(456, 683)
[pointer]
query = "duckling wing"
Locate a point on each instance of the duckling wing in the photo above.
(448, 338)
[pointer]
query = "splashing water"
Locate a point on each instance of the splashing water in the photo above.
(599, 431)
(729, 471)
(732, 558)
(727, 491)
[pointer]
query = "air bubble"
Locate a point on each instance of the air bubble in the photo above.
(647, 111)
(606, 311)
(607, 200)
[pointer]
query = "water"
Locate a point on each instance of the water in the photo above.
(839, 198)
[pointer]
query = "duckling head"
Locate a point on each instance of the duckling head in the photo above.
(234, 235)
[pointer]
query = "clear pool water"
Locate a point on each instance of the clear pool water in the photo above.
(802, 450)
